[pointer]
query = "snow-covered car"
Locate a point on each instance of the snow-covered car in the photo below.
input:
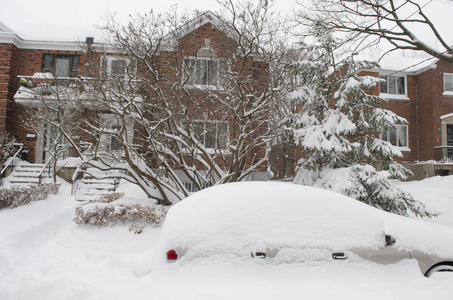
(286, 223)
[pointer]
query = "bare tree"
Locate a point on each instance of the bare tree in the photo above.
(156, 122)
(55, 115)
(389, 20)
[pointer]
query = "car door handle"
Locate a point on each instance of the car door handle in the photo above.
(259, 255)
(339, 255)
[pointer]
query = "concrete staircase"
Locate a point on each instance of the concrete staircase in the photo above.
(26, 173)
(90, 188)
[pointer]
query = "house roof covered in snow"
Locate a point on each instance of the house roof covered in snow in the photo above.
(10, 37)
(401, 64)
(70, 40)
(171, 39)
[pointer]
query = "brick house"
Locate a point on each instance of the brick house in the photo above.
(421, 91)
(204, 44)
(417, 89)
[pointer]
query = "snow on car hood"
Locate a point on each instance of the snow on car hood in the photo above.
(239, 218)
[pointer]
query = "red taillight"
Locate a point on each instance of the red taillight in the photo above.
(172, 255)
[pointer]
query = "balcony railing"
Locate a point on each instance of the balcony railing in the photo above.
(443, 154)
(35, 90)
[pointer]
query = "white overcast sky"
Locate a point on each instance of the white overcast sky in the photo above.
(75, 20)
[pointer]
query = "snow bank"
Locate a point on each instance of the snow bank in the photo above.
(241, 218)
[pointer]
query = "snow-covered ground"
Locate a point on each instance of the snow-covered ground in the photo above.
(45, 255)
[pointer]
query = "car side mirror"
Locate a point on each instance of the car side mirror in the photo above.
(389, 240)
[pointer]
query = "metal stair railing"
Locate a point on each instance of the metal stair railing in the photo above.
(12, 163)
(44, 170)
(74, 180)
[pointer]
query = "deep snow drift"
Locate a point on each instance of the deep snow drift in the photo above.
(45, 255)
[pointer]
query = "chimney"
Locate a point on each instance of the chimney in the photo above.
(90, 40)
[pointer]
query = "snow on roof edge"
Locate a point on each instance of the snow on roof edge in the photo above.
(401, 64)
(446, 116)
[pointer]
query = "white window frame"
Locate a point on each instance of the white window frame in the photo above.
(190, 72)
(109, 59)
(204, 123)
(448, 93)
(386, 136)
(395, 95)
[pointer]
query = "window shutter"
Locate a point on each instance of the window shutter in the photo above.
(383, 85)
(75, 66)
(103, 70)
(47, 63)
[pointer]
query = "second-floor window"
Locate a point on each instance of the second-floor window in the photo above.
(212, 134)
(203, 71)
(393, 85)
(117, 66)
(448, 83)
(60, 65)
(396, 136)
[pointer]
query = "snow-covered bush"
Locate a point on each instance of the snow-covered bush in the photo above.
(366, 184)
(6, 146)
(20, 195)
(108, 211)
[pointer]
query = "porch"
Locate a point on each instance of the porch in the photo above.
(441, 165)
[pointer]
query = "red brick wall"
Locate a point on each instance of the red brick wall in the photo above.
(193, 41)
(432, 105)
(403, 108)
(27, 62)
(8, 74)
(30, 60)
(423, 111)
(407, 109)
(224, 47)
(425, 104)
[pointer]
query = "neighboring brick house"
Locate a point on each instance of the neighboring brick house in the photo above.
(421, 91)
(203, 45)
(25, 58)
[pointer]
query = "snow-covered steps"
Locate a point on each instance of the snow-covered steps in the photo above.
(92, 188)
(26, 173)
